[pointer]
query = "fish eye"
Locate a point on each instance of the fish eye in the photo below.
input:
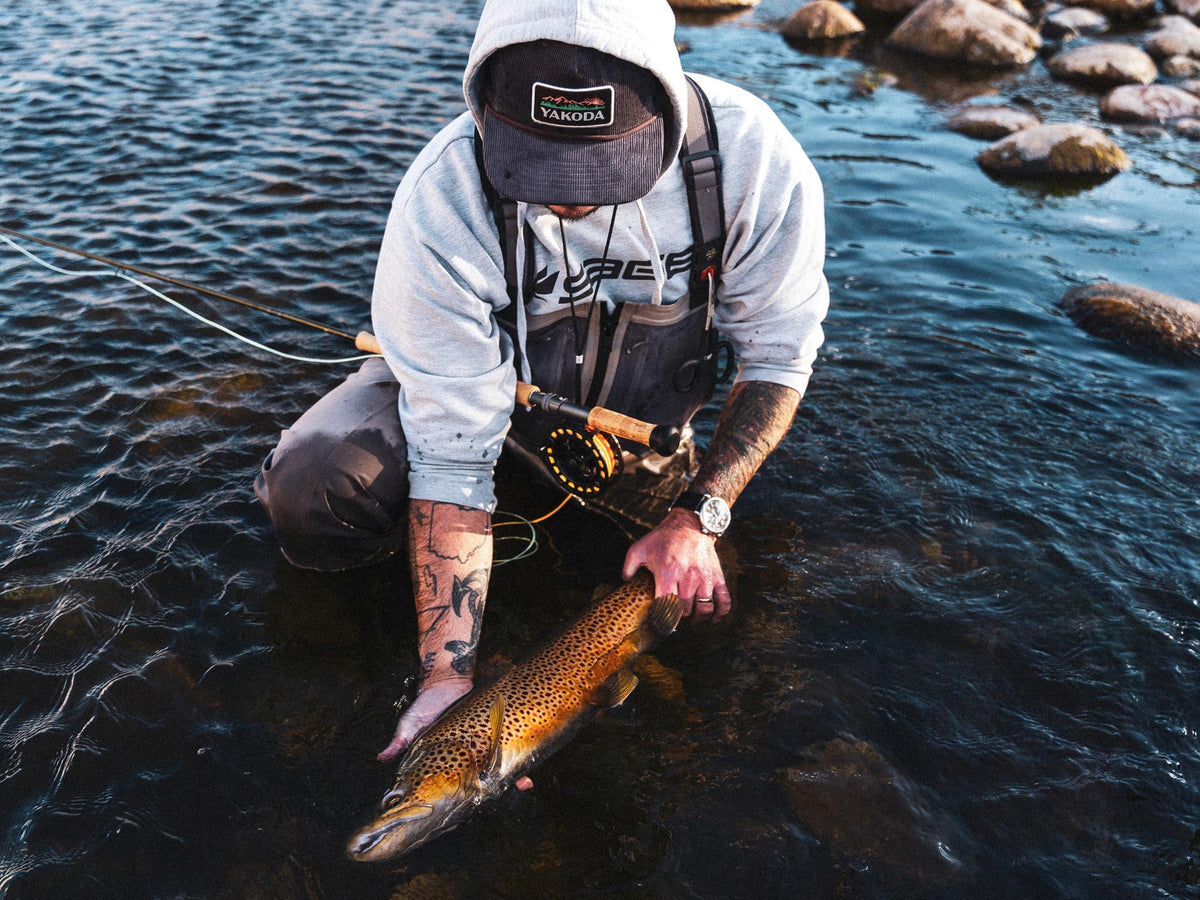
(394, 797)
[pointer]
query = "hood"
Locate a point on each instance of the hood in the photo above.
(603, 25)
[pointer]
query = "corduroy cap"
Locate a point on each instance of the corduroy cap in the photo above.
(571, 126)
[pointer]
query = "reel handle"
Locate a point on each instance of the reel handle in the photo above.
(662, 439)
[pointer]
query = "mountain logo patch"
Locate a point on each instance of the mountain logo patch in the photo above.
(572, 107)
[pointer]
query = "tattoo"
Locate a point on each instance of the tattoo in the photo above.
(472, 590)
(441, 545)
(755, 418)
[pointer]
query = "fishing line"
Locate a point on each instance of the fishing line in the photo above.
(119, 271)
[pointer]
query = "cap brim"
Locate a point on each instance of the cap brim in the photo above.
(534, 169)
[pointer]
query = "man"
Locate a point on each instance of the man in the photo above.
(582, 108)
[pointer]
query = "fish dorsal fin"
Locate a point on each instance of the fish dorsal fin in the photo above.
(664, 615)
(616, 688)
(495, 756)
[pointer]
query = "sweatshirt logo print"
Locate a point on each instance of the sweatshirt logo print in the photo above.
(572, 107)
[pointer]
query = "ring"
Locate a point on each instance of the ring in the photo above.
(704, 599)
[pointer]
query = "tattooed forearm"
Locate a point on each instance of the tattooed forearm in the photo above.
(452, 556)
(755, 418)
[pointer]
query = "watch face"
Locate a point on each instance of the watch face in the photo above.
(714, 515)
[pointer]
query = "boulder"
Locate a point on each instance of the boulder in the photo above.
(711, 5)
(1066, 23)
(822, 20)
(1176, 36)
(969, 31)
(1104, 64)
(1188, 128)
(1180, 67)
(1139, 317)
(991, 122)
(1149, 103)
(1121, 9)
(1065, 151)
(1189, 8)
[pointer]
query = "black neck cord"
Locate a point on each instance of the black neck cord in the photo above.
(562, 233)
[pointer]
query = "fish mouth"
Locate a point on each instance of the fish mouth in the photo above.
(376, 841)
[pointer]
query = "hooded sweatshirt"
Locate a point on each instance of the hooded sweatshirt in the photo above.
(440, 276)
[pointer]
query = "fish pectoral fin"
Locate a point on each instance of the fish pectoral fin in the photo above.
(494, 760)
(663, 617)
(615, 688)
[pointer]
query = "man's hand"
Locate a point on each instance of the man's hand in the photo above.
(755, 417)
(684, 562)
(431, 702)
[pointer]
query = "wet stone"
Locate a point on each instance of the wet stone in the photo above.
(1137, 316)
(1176, 36)
(967, 31)
(991, 122)
(1180, 67)
(822, 20)
(1189, 8)
(1066, 23)
(1121, 9)
(1149, 103)
(1071, 151)
(1105, 63)
(1188, 128)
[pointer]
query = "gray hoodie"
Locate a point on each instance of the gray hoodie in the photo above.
(440, 277)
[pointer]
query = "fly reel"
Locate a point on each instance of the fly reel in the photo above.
(583, 461)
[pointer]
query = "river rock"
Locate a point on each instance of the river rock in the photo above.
(1137, 316)
(1149, 103)
(822, 20)
(1066, 23)
(1188, 128)
(1105, 63)
(1189, 8)
(1121, 9)
(991, 122)
(1071, 151)
(711, 5)
(1180, 67)
(967, 31)
(1177, 36)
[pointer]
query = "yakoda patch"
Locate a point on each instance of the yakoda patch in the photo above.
(572, 107)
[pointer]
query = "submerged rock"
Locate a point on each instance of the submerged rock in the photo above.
(969, 31)
(1105, 63)
(861, 807)
(1149, 103)
(822, 20)
(1176, 36)
(1137, 316)
(991, 122)
(1071, 151)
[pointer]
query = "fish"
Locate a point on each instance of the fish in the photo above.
(498, 733)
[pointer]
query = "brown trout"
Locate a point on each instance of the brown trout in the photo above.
(496, 734)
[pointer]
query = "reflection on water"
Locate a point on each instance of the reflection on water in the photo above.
(964, 656)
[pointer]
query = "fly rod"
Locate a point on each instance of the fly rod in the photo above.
(663, 439)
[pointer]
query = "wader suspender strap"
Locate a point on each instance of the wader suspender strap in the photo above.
(701, 162)
(700, 158)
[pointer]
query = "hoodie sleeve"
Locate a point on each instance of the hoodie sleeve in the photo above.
(773, 291)
(438, 281)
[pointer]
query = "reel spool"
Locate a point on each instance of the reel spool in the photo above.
(583, 461)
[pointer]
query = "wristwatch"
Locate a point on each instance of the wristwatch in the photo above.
(713, 511)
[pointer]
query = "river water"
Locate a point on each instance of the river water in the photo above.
(964, 656)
